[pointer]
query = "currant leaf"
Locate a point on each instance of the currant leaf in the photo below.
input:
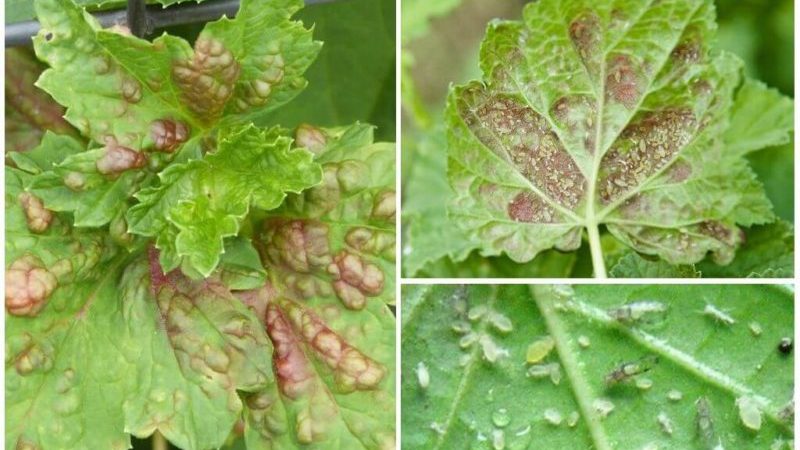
(608, 114)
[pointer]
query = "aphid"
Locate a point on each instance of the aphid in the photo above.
(572, 419)
(644, 383)
(705, 426)
(500, 418)
(437, 428)
(637, 311)
(749, 412)
(718, 315)
(500, 322)
(584, 342)
(539, 349)
(498, 439)
(786, 346)
(552, 370)
(423, 376)
(755, 328)
(665, 423)
(626, 371)
(553, 417)
(461, 327)
(603, 407)
(674, 395)
(476, 312)
(523, 431)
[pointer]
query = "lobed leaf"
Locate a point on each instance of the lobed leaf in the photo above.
(199, 203)
(611, 113)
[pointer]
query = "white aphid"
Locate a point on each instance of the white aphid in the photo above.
(637, 311)
(476, 312)
(665, 423)
(603, 407)
(674, 395)
(491, 351)
(553, 417)
(644, 383)
(572, 419)
(468, 339)
(501, 322)
(461, 327)
(423, 376)
(584, 341)
(552, 370)
(498, 439)
(755, 328)
(718, 315)
(749, 412)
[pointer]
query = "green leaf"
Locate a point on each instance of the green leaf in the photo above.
(466, 382)
(199, 203)
(100, 75)
(430, 235)
(329, 256)
(240, 266)
(594, 114)
(417, 15)
(761, 117)
(353, 79)
(634, 265)
(195, 346)
(775, 169)
(767, 253)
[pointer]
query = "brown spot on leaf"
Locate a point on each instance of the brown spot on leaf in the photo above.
(584, 31)
(118, 159)
(687, 52)
(310, 137)
(167, 135)
(37, 216)
(644, 147)
(513, 129)
(207, 80)
(383, 206)
(301, 245)
(131, 90)
(527, 207)
(372, 241)
(28, 286)
(355, 279)
(679, 171)
(623, 82)
(718, 231)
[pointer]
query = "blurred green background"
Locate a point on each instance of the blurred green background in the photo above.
(440, 43)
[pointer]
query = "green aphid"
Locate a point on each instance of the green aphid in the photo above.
(628, 370)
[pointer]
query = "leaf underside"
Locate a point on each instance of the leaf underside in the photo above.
(472, 401)
(605, 113)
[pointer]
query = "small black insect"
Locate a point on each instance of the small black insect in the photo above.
(786, 345)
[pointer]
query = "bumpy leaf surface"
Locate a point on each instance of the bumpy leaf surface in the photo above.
(329, 255)
(467, 381)
(152, 103)
(607, 113)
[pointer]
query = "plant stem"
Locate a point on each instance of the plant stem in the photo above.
(159, 443)
(597, 251)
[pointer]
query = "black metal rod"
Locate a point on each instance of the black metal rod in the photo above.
(154, 17)
(137, 18)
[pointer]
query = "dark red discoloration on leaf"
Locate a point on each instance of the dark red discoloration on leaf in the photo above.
(687, 52)
(168, 135)
(644, 147)
(291, 366)
(28, 286)
(623, 82)
(118, 159)
(512, 129)
(352, 369)
(577, 114)
(527, 207)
